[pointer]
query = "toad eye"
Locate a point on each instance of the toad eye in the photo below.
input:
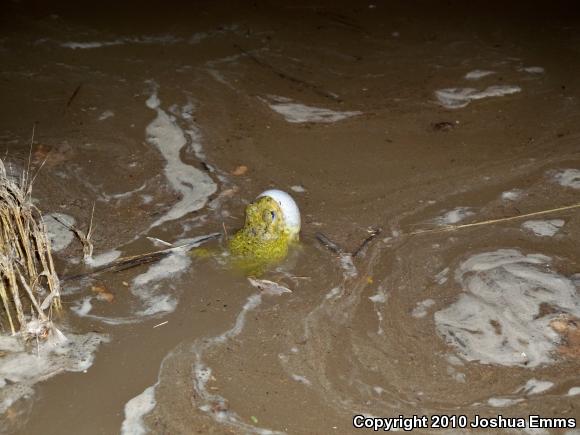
(269, 216)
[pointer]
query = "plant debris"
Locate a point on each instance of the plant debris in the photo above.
(29, 285)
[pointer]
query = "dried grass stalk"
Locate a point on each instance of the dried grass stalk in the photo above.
(446, 228)
(29, 285)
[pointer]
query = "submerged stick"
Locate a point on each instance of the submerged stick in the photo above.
(494, 221)
(328, 244)
(336, 249)
(374, 233)
(129, 262)
(85, 239)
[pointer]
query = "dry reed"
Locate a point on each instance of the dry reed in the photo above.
(446, 228)
(29, 285)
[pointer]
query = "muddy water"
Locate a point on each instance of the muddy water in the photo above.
(372, 115)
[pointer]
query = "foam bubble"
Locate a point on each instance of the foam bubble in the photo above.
(300, 113)
(534, 386)
(511, 195)
(298, 188)
(478, 74)
(88, 45)
(301, 379)
(502, 402)
(106, 115)
(545, 228)
(455, 98)
(533, 69)
(60, 235)
(194, 185)
(103, 258)
(137, 408)
(422, 307)
(569, 178)
(496, 320)
(154, 296)
(454, 216)
(21, 369)
(441, 277)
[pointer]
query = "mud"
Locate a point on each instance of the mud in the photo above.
(372, 115)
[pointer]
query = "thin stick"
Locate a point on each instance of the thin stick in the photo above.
(374, 233)
(329, 244)
(494, 221)
(73, 96)
(225, 231)
(29, 156)
(125, 263)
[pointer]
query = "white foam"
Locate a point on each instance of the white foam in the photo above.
(511, 195)
(545, 228)
(146, 39)
(92, 44)
(495, 320)
(569, 178)
(146, 288)
(103, 258)
(59, 235)
(333, 293)
(154, 295)
(478, 74)
(194, 185)
(533, 69)
(270, 288)
(455, 98)
(457, 376)
(574, 391)
(20, 369)
(441, 277)
(300, 113)
(502, 402)
(454, 216)
(298, 188)
(301, 379)
(83, 307)
(379, 297)
(347, 265)
(422, 308)
(137, 408)
(123, 195)
(106, 115)
(534, 386)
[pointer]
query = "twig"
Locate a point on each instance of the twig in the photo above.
(493, 221)
(374, 233)
(84, 239)
(125, 263)
(73, 96)
(225, 231)
(29, 156)
(329, 244)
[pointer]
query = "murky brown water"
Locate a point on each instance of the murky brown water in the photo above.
(158, 94)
